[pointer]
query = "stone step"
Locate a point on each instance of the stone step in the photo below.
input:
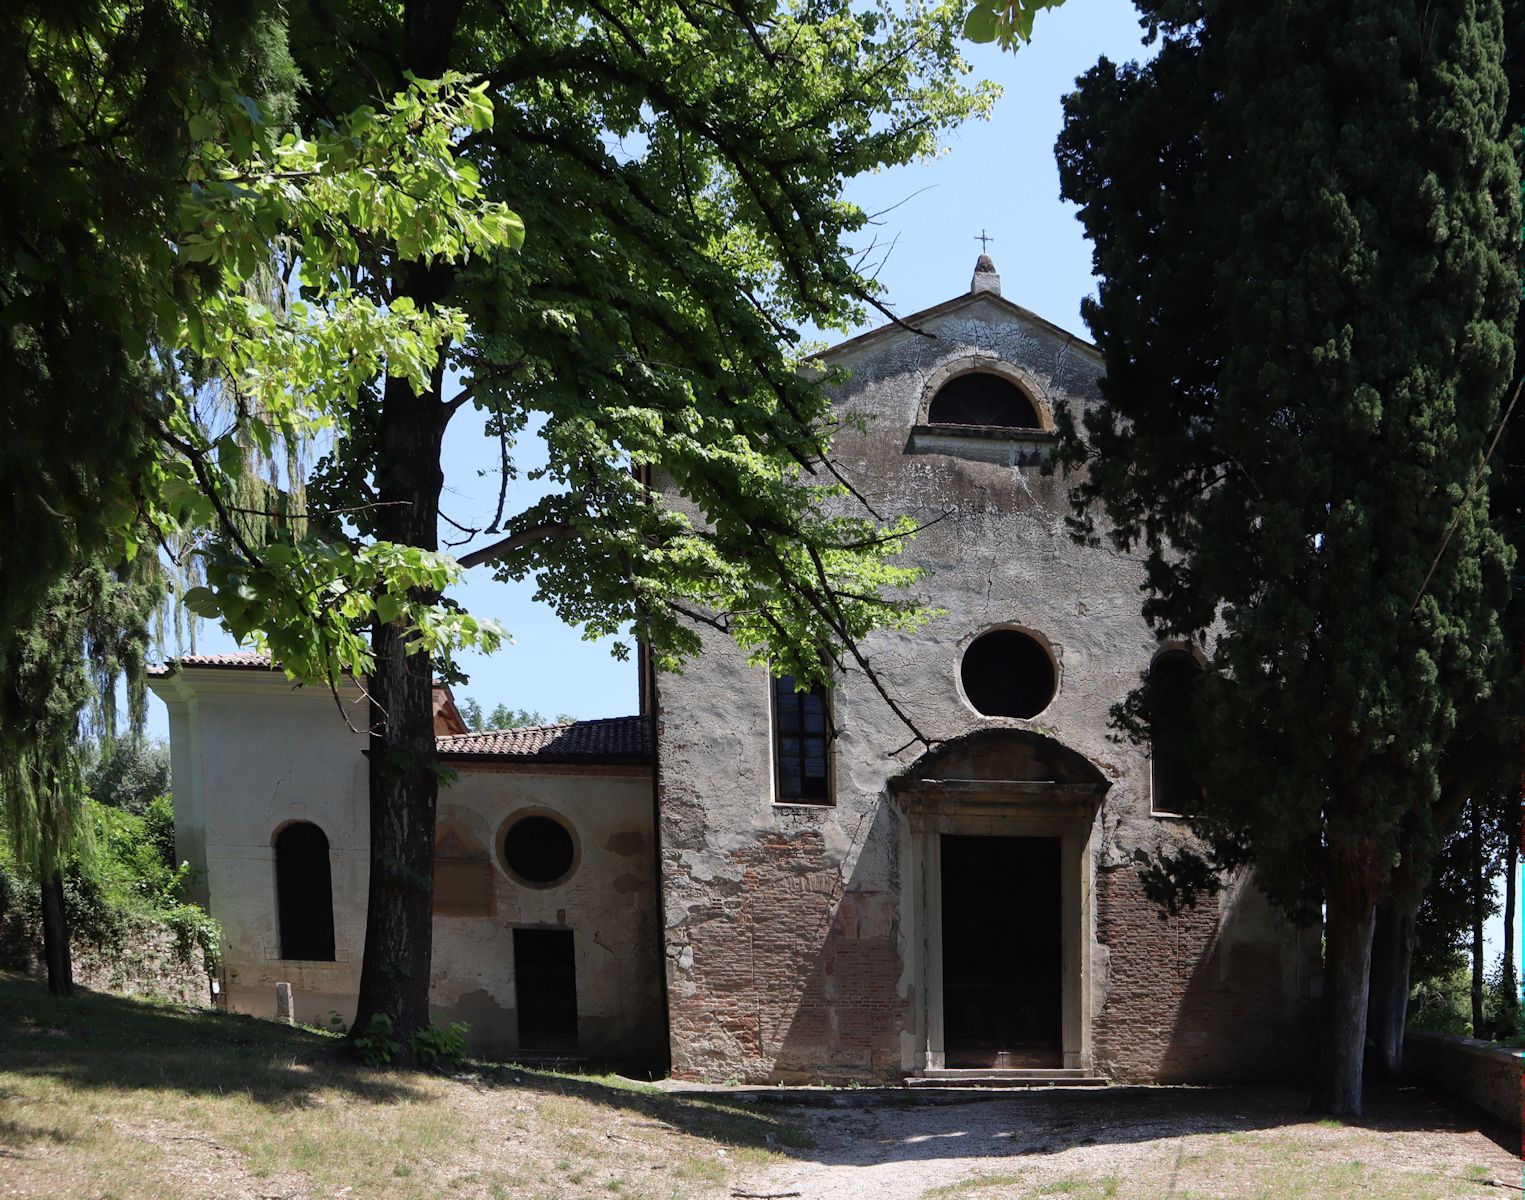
(996, 1077)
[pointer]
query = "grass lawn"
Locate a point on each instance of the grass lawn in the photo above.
(102, 1098)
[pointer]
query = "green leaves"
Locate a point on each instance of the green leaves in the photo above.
(311, 604)
(1004, 21)
(385, 177)
(1288, 456)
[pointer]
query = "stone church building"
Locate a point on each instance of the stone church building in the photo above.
(745, 881)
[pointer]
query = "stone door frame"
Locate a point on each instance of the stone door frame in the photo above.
(1001, 808)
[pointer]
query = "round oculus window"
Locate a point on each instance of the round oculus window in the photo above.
(1007, 673)
(539, 850)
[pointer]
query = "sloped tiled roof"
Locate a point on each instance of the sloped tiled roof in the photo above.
(611, 740)
(614, 740)
(248, 660)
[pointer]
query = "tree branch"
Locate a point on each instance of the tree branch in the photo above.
(517, 541)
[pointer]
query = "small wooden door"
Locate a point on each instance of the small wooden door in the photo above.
(545, 981)
(1002, 952)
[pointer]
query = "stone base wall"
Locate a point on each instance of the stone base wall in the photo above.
(145, 964)
(1178, 1003)
(1481, 1073)
(780, 973)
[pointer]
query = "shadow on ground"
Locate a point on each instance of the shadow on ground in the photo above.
(107, 1042)
(95, 1040)
(886, 1125)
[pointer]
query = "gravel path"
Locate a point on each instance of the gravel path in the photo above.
(1143, 1142)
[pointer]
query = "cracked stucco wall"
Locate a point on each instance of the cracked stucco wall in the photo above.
(789, 943)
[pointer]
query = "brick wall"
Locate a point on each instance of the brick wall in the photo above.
(787, 975)
(1176, 1004)
(1483, 1073)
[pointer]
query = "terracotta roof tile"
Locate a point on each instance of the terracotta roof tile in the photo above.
(247, 660)
(611, 740)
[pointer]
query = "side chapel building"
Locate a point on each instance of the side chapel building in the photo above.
(719, 884)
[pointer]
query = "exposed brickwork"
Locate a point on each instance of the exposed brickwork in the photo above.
(789, 954)
(793, 977)
(1175, 1010)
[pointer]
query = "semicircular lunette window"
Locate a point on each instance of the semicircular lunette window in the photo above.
(1006, 673)
(539, 850)
(982, 398)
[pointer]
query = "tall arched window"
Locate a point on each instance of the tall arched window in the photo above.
(304, 893)
(1171, 678)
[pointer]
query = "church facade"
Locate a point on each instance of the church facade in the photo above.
(748, 881)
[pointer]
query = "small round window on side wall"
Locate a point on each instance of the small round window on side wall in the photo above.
(539, 851)
(983, 398)
(1008, 673)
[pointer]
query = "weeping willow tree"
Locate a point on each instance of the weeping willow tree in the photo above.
(266, 488)
(62, 663)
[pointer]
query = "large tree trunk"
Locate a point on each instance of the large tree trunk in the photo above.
(399, 916)
(404, 785)
(1348, 923)
(55, 936)
(1392, 956)
(1479, 893)
(1509, 984)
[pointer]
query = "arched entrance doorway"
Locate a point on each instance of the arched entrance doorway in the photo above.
(1000, 824)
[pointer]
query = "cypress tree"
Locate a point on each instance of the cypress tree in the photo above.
(1305, 219)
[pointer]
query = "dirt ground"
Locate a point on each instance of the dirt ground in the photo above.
(1144, 1142)
(105, 1098)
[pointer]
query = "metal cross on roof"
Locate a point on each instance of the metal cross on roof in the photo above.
(982, 240)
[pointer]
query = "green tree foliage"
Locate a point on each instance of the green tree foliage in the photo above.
(150, 180)
(683, 170)
(90, 628)
(679, 172)
(503, 717)
(150, 177)
(119, 885)
(1461, 898)
(1005, 21)
(92, 170)
(1305, 221)
(129, 774)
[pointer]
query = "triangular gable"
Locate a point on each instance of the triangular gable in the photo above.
(1005, 307)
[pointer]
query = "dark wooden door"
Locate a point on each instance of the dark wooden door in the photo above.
(545, 981)
(1001, 952)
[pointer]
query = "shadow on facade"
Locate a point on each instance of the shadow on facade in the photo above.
(1197, 998)
(844, 1020)
(802, 973)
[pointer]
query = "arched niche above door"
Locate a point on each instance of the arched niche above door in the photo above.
(1003, 766)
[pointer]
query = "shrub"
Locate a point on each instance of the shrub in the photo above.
(376, 1046)
(125, 877)
(1443, 1004)
(433, 1045)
